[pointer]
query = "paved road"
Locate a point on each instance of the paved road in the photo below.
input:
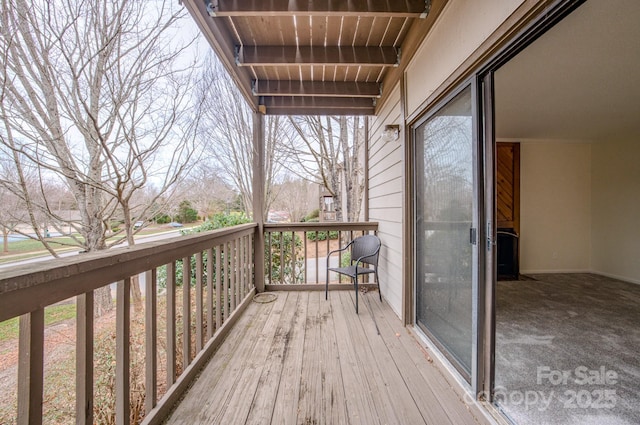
(45, 257)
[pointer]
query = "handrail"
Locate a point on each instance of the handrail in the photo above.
(222, 281)
(295, 255)
(25, 288)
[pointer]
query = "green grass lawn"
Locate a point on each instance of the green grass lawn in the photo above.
(52, 315)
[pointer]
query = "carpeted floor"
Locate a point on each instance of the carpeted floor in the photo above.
(568, 350)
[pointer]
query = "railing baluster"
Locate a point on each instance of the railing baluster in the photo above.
(270, 257)
(171, 323)
(251, 257)
(306, 257)
(210, 294)
(293, 257)
(218, 287)
(233, 286)
(225, 282)
(317, 259)
(199, 322)
(31, 368)
(151, 339)
(186, 312)
(84, 359)
(122, 351)
(282, 257)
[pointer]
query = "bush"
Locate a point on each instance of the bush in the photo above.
(313, 216)
(278, 254)
(162, 219)
(218, 221)
(322, 235)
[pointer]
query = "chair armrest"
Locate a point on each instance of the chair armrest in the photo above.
(339, 249)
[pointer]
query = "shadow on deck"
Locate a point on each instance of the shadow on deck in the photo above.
(303, 360)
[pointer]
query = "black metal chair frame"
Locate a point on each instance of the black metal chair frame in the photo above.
(364, 250)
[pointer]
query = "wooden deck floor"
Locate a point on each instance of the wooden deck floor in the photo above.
(304, 360)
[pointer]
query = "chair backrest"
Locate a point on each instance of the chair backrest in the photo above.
(366, 245)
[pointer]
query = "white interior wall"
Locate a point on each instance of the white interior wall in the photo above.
(555, 207)
(616, 209)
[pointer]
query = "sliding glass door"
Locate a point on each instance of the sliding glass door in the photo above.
(446, 230)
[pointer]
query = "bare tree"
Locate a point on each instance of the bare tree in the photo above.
(98, 93)
(207, 190)
(229, 135)
(296, 196)
(331, 148)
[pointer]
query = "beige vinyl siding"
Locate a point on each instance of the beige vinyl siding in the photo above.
(386, 199)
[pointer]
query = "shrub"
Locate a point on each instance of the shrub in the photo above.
(278, 255)
(322, 235)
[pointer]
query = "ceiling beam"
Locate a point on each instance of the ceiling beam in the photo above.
(316, 88)
(317, 105)
(317, 55)
(279, 8)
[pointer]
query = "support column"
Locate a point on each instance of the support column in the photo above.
(258, 197)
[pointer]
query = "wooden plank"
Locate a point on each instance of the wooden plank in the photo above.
(334, 400)
(123, 363)
(211, 397)
(24, 288)
(171, 323)
(219, 291)
(372, 379)
(186, 311)
(316, 88)
(160, 413)
(150, 339)
(318, 55)
(31, 368)
(210, 294)
(199, 312)
(286, 406)
(84, 359)
(422, 393)
(359, 402)
(299, 105)
(432, 375)
(265, 386)
(284, 8)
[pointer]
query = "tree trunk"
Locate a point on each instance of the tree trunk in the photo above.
(5, 243)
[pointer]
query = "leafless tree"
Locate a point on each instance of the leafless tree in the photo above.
(331, 149)
(297, 197)
(99, 93)
(229, 135)
(207, 191)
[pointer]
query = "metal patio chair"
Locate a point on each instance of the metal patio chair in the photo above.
(364, 251)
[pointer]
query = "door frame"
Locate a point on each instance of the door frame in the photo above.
(477, 310)
(481, 80)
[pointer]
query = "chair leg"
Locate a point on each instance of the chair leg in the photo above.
(355, 283)
(326, 285)
(378, 283)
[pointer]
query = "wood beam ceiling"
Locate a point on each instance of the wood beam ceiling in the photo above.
(279, 105)
(316, 88)
(278, 8)
(317, 55)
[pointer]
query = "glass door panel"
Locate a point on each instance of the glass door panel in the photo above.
(445, 260)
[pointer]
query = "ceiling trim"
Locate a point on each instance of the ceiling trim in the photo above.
(280, 8)
(317, 55)
(316, 88)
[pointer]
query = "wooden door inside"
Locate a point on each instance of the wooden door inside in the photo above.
(508, 209)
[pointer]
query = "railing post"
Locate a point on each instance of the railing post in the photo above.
(150, 340)
(258, 198)
(84, 359)
(123, 362)
(31, 368)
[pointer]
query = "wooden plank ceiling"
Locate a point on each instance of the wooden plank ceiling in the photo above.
(320, 57)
